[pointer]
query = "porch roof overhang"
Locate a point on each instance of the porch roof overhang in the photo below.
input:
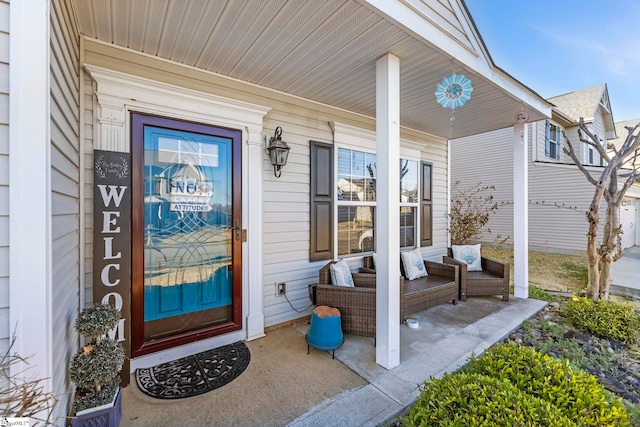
(326, 51)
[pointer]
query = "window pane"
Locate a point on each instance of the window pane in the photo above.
(344, 162)
(356, 175)
(407, 226)
(355, 229)
(357, 164)
(370, 186)
(553, 133)
(209, 155)
(408, 181)
(370, 161)
(346, 189)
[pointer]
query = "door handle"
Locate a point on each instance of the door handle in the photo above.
(238, 230)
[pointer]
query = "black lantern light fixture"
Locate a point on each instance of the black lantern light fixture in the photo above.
(278, 151)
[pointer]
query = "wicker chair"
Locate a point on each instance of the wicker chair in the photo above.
(357, 305)
(492, 280)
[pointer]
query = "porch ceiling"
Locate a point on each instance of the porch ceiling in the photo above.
(324, 51)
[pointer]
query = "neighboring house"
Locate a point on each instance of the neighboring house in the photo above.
(559, 194)
(629, 210)
(181, 99)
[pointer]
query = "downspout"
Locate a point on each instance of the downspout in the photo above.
(81, 182)
(334, 249)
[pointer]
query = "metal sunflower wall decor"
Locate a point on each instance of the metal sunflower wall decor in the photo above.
(454, 91)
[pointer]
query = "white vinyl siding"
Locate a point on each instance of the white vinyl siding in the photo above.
(556, 213)
(4, 177)
(559, 194)
(475, 161)
(286, 215)
(65, 202)
(590, 154)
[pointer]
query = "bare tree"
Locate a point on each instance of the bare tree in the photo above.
(611, 185)
(471, 209)
(23, 394)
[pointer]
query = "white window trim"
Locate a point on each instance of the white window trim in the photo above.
(556, 141)
(339, 203)
(358, 139)
(415, 205)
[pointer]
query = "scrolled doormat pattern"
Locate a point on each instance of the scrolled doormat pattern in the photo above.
(194, 375)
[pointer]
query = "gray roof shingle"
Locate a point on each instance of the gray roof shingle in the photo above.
(622, 132)
(580, 103)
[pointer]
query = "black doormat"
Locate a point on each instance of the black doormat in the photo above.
(194, 375)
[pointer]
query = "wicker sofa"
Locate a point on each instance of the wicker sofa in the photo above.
(357, 304)
(492, 280)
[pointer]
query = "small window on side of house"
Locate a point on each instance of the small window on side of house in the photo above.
(552, 140)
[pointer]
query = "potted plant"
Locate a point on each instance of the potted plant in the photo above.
(95, 369)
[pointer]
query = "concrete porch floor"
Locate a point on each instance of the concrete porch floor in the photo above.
(284, 385)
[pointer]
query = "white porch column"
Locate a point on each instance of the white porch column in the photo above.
(29, 174)
(520, 210)
(388, 211)
(255, 317)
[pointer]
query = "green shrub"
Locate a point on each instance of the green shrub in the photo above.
(459, 399)
(575, 393)
(541, 295)
(607, 319)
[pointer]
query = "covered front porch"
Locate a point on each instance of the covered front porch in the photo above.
(354, 75)
(284, 385)
(300, 65)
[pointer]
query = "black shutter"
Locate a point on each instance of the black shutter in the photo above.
(321, 199)
(426, 206)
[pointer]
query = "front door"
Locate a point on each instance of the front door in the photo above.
(186, 240)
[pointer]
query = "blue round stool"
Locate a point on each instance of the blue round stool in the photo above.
(325, 330)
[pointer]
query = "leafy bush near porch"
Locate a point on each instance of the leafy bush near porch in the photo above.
(516, 386)
(459, 399)
(607, 319)
(577, 394)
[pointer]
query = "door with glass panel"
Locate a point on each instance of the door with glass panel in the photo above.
(186, 270)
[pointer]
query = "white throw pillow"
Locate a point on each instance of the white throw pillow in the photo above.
(413, 264)
(340, 274)
(373, 255)
(469, 254)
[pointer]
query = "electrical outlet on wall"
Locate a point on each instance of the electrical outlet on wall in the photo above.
(281, 288)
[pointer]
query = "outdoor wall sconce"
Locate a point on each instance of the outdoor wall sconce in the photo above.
(278, 151)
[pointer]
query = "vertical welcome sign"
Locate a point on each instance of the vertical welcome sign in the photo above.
(112, 241)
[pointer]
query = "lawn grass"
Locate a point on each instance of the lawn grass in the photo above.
(549, 272)
(553, 272)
